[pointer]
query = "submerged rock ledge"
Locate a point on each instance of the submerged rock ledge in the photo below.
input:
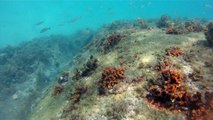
(131, 62)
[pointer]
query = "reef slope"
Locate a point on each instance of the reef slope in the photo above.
(139, 52)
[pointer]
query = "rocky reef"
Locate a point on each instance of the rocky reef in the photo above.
(27, 69)
(172, 94)
(136, 70)
(164, 21)
(110, 77)
(209, 33)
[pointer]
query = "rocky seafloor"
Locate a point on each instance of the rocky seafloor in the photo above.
(27, 69)
(136, 70)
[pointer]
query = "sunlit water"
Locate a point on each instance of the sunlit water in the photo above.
(23, 20)
(19, 17)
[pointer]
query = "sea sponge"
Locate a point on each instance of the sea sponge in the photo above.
(209, 33)
(174, 52)
(110, 77)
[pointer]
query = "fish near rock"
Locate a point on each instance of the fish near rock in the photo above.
(45, 29)
(73, 20)
(39, 23)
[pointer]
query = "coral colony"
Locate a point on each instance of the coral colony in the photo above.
(175, 52)
(170, 89)
(110, 77)
(172, 94)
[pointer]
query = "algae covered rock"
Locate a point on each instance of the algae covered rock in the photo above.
(209, 33)
(164, 22)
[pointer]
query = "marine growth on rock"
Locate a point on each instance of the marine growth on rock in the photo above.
(172, 95)
(209, 33)
(174, 52)
(110, 77)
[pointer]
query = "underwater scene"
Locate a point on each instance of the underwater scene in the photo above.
(106, 59)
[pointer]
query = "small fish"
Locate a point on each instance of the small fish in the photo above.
(109, 8)
(45, 29)
(39, 23)
(75, 19)
(61, 24)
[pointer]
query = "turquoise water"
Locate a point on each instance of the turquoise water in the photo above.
(18, 17)
(24, 20)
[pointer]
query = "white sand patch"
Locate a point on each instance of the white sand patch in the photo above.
(148, 60)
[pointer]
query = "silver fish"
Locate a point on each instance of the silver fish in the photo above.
(45, 29)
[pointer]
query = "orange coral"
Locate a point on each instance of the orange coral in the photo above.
(171, 95)
(110, 77)
(174, 52)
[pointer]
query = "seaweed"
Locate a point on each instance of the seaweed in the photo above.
(164, 21)
(77, 75)
(209, 33)
(111, 41)
(141, 23)
(90, 66)
(57, 90)
(79, 91)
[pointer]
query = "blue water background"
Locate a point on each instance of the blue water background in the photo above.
(18, 17)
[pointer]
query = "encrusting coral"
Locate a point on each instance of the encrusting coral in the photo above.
(77, 75)
(189, 26)
(172, 95)
(141, 23)
(110, 77)
(174, 52)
